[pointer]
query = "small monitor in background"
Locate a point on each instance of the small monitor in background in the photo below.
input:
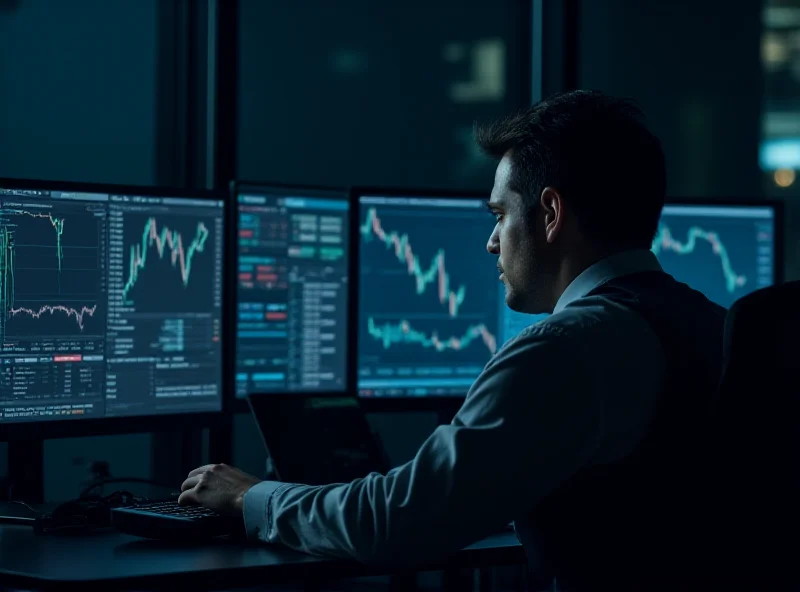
(431, 309)
(724, 251)
(110, 303)
(317, 440)
(292, 264)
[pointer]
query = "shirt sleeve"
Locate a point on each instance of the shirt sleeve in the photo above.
(525, 426)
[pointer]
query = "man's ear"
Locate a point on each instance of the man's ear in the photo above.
(552, 205)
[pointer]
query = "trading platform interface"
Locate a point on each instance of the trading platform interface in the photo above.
(292, 291)
(109, 305)
(432, 310)
(723, 251)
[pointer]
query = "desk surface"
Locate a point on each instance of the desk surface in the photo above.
(111, 560)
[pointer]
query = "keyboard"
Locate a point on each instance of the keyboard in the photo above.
(169, 520)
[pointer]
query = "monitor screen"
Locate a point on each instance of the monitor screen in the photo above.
(724, 251)
(432, 311)
(110, 305)
(292, 290)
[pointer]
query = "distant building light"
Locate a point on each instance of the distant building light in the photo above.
(784, 177)
(780, 154)
(780, 17)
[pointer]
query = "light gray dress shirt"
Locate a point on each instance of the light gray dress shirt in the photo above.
(570, 391)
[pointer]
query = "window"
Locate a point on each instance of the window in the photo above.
(375, 93)
(779, 154)
(79, 90)
(694, 67)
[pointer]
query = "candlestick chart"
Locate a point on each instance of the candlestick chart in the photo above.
(428, 297)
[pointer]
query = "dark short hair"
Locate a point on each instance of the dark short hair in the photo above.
(597, 152)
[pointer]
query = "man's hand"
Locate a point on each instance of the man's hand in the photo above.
(217, 487)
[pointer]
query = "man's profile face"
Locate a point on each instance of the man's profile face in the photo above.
(513, 241)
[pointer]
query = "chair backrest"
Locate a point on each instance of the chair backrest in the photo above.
(759, 429)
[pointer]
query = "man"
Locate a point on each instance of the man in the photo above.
(563, 432)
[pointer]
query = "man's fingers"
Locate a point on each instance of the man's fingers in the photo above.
(188, 497)
(191, 482)
(200, 470)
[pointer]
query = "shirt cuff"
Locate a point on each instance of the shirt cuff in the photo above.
(257, 517)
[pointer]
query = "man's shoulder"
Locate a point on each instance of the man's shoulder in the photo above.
(587, 326)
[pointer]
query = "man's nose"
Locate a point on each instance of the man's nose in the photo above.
(493, 245)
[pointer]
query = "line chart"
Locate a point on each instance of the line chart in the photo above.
(165, 241)
(435, 272)
(44, 280)
(79, 314)
(389, 334)
(665, 241)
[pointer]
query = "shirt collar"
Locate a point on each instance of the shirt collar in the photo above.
(618, 265)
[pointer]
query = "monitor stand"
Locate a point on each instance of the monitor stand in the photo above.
(25, 481)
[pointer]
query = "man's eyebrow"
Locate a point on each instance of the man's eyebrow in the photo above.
(492, 206)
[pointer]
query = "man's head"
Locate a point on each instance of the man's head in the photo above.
(579, 178)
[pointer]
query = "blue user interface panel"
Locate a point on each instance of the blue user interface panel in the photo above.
(431, 308)
(292, 290)
(723, 251)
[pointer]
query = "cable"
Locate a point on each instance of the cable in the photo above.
(83, 515)
(109, 480)
(30, 507)
(21, 520)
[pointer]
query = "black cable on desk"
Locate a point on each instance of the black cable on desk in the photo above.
(83, 515)
(109, 480)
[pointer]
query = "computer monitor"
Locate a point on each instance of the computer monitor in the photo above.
(293, 263)
(723, 249)
(110, 308)
(431, 311)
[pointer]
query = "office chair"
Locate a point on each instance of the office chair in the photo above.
(758, 435)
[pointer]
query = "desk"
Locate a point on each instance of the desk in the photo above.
(113, 561)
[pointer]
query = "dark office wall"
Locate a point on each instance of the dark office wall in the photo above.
(695, 68)
(78, 103)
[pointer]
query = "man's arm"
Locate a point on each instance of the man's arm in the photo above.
(528, 423)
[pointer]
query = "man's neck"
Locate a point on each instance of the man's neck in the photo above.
(574, 264)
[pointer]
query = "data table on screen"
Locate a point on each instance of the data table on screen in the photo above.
(292, 291)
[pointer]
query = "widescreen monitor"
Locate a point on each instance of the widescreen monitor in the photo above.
(292, 265)
(110, 303)
(431, 311)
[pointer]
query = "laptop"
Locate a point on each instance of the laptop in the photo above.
(317, 440)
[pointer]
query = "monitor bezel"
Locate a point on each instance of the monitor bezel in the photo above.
(445, 405)
(103, 426)
(778, 206)
(240, 404)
